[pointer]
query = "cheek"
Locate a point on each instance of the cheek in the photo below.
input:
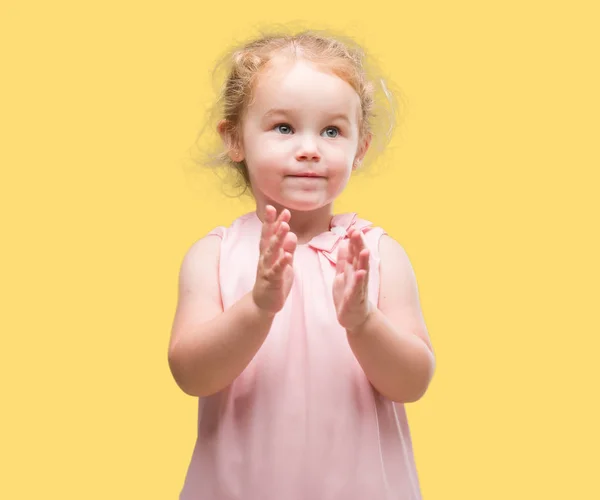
(341, 156)
(263, 148)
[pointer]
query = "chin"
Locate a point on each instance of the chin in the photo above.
(303, 205)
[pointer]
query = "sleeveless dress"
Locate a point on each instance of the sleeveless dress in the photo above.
(302, 421)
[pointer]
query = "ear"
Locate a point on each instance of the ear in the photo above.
(234, 149)
(362, 151)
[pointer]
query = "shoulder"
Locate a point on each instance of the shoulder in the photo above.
(205, 251)
(396, 268)
(399, 293)
(392, 252)
(199, 265)
(242, 225)
(205, 247)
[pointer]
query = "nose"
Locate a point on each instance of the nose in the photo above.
(308, 150)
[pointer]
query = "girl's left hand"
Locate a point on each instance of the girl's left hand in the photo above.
(350, 286)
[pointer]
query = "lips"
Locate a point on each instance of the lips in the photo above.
(307, 174)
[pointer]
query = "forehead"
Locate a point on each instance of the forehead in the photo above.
(303, 85)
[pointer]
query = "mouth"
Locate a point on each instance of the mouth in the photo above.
(307, 175)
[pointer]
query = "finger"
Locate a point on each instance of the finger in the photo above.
(359, 239)
(289, 246)
(356, 294)
(362, 271)
(342, 255)
(270, 213)
(363, 253)
(348, 274)
(284, 215)
(360, 279)
(291, 259)
(281, 264)
(356, 291)
(267, 226)
(350, 294)
(350, 243)
(273, 251)
(359, 243)
(363, 260)
(349, 264)
(274, 222)
(357, 246)
(290, 242)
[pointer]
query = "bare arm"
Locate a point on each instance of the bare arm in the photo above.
(392, 345)
(209, 348)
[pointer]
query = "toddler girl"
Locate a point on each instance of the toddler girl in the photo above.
(300, 331)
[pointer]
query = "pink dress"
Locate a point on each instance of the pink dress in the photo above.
(301, 422)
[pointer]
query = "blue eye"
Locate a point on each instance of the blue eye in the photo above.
(332, 132)
(283, 128)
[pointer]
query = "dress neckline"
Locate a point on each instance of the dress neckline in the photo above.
(340, 228)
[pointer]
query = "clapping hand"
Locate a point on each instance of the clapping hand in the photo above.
(350, 286)
(275, 274)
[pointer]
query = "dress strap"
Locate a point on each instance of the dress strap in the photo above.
(372, 237)
(218, 231)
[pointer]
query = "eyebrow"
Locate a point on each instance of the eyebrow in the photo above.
(281, 111)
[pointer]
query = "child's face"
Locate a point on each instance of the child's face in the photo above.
(300, 136)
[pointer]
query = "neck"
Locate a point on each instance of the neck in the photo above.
(304, 224)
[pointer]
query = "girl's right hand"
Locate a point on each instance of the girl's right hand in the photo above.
(275, 273)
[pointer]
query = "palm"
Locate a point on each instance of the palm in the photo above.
(350, 291)
(285, 285)
(341, 291)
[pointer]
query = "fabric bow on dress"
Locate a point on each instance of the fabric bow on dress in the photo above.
(342, 226)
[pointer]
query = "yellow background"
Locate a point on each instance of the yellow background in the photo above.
(491, 187)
